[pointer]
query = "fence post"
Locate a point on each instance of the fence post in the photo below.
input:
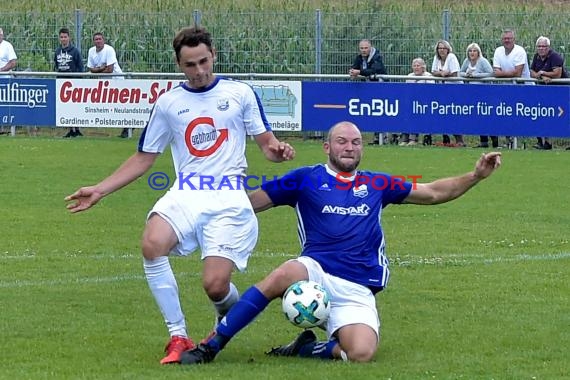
(78, 28)
(197, 15)
(318, 55)
(446, 20)
(318, 41)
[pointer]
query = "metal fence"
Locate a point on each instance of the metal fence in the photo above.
(276, 42)
(312, 42)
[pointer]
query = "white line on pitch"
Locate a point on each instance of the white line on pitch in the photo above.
(396, 261)
(82, 280)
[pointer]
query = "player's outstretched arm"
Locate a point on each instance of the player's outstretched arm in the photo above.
(131, 169)
(447, 189)
(260, 201)
(273, 149)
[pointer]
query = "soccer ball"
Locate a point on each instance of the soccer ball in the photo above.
(306, 304)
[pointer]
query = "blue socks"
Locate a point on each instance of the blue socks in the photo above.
(242, 313)
(321, 350)
(249, 306)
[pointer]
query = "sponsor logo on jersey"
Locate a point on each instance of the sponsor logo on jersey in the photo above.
(361, 210)
(205, 140)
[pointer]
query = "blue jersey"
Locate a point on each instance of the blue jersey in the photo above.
(339, 219)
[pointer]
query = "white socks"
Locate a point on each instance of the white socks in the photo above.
(164, 288)
(225, 304)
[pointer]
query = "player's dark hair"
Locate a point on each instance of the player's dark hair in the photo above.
(191, 37)
(64, 30)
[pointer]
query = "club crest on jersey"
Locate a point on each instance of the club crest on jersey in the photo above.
(360, 191)
(223, 104)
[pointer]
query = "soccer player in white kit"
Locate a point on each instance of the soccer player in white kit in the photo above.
(339, 212)
(205, 121)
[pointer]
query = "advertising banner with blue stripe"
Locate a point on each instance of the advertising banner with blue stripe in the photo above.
(470, 109)
(27, 102)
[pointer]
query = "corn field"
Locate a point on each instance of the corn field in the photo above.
(263, 36)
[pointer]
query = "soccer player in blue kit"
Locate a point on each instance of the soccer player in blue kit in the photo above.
(339, 210)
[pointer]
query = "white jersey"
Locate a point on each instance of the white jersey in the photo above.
(7, 54)
(104, 57)
(516, 57)
(206, 130)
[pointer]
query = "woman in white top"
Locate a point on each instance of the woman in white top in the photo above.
(418, 75)
(445, 65)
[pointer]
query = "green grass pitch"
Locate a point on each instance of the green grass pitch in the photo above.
(480, 287)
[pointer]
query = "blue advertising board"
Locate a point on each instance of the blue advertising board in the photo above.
(471, 109)
(27, 102)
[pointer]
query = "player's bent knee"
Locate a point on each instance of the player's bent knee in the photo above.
(361, 354)
(158, 238)
(215, 287)
(151, 248)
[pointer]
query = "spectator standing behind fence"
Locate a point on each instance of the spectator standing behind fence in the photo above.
(67, 59)
(8, 58)
(546, 65)
(510, 61)
(103, 59)
(476, 65)
(8, 61)
(369, 64)
(446, 65)
(418, 70)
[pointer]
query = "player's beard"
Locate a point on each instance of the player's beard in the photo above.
(344, 167)
(201, 82)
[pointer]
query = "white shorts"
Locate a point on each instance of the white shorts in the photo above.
(220, 222)
(351, 303)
